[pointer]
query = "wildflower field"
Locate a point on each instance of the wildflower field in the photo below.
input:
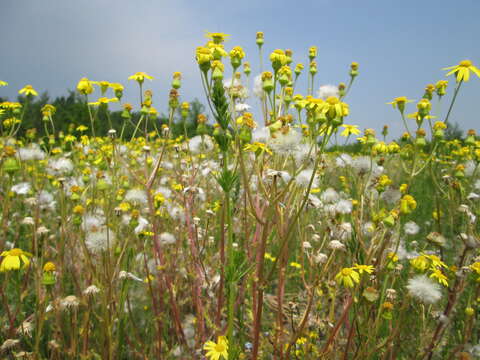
(281, 232)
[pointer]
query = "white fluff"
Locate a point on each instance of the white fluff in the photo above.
(344, 206)
(303, 178)
(167, 238)
(166, 192)
(61, 166)
(424, 289)
(92, 222)
(285, 176)
(101, 240)
(45, 199)
(326, 91)
(240, 107)
(363, 164)
(200, 144)
(33, 152)
(411, 228)
(303, 152)
(142, 225)
(329, 196)
(391, 196)
(21, 188)
(285, 144)
(260, 135)
(470, 168)
(136, 196)
(257, 86)
(336, 245)
(343, 160)
(368, 229)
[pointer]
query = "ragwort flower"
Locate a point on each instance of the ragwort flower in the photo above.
(28, 90)
(14, 259)
(140, 77)
(462, 70)
(217, 350)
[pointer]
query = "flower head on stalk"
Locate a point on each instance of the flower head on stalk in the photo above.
(462, 70)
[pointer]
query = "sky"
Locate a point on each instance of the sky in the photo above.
(401, 46)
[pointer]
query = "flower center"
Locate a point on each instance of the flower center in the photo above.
(332, 100)
(15, 252)
(346, 272)
(220, 348)
(465, 63)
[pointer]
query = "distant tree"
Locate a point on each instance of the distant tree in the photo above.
(72, 111)
(453, 131)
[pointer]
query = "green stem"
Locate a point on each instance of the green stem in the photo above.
(453, 102)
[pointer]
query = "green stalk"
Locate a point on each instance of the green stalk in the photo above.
(453, 102)
(229, 262)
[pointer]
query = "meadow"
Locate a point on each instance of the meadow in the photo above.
(239, 236)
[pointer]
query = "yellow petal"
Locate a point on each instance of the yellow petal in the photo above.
(452, 72)
(475, 70)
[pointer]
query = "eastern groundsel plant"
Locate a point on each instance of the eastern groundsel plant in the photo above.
(260, 236)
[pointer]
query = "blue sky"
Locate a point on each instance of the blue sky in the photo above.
(400, 45)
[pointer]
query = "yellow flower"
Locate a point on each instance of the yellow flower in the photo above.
(436, 262)
(418, 117)
(217, 38)
(439, 276)
(301, 340)
(140, 77)
(116, 86)
(103, 100)
(48, 110)
(403, 188)
(407, 204)
(439, 125)
(268, 256)
(399, 102)
(333, 108)
(420, 263)
(28, 90)
(79, 210)
(347, 277)
(462, 70)
(203, 55)
(237, 52)
(362, 268)
(14, 259)
(216, 50)
(380, 147)
(257, 146)
(3, 83)
(476, 267)
(392, 257)
(247, 120)
(278, 59)
(295, 265)
(104, 85)
(217, 350)
(350, 129)
(49, 267)
(441, 87)
(84, 86)
(384, 181)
